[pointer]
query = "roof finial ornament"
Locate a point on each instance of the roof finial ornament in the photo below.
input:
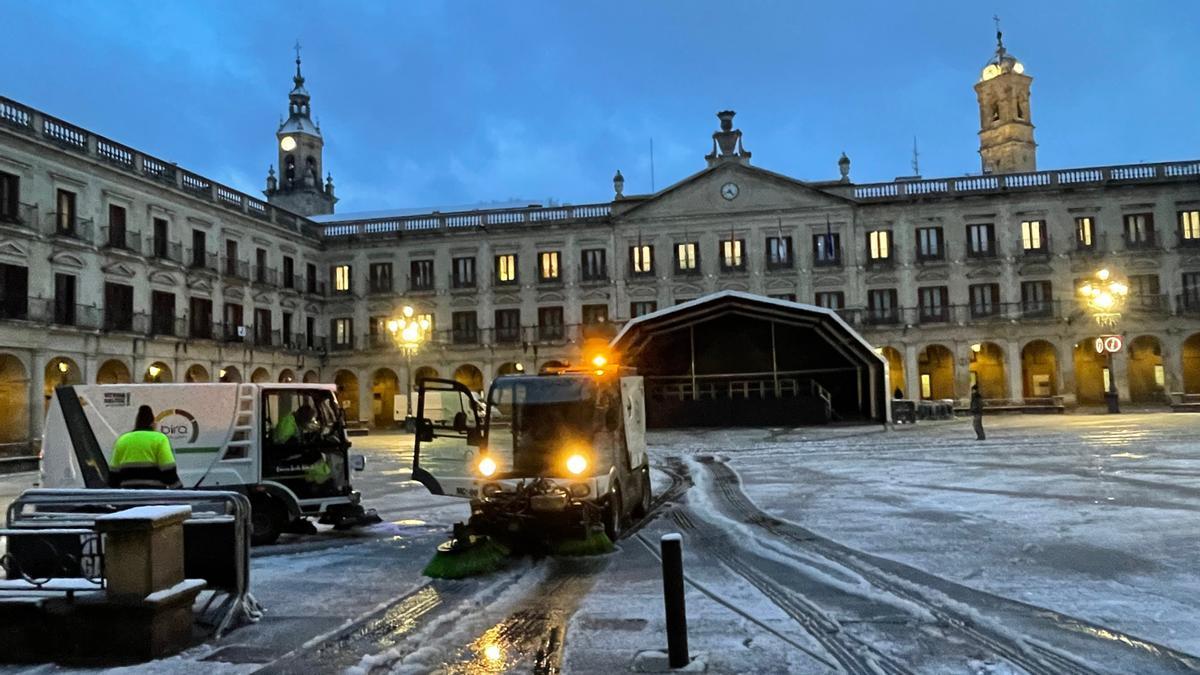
(999, 36)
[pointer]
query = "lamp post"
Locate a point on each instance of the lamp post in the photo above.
(1104, 296)
(408, 332)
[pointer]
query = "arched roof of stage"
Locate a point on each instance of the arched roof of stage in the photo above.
(732, 332)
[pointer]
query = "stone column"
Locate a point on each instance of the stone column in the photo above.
(1121, 368)
(1172, 358)
(962, 370)
(1065, 360)
(912, 375)
(366, 399)
(37, 396)
(1014, 370)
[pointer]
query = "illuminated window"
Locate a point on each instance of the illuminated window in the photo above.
(343, 332)
(341, 278)
(1033, 235)
(1189, 226)
(879, 245)
(1160, 375)
(1085, 232)
(686, 260)
(731, 254)
(548, 266)
(926, 386)
(506, 269)
(642, 258)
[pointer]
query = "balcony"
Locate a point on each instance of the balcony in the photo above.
(1094, 249)
(982, 255)
(1037, 253)
(507, 334)
(1037, 309)
(828, 260)
(931, 259)
(313, 287)
(933, 314)
(880, 263)
(266, 276)
(202, 260)
(1152, 303)
(605, 330)
(554, 332)
(121, 238)
(166, 250)
(122, 321)
(380, 286)
(24, 216)
(1188, 302)
(167, 325)
(1141, 241)
(1189, 240)
(238, 269)
(464, 335)
(204, 330)
(70, 229)
(462, 283)
(420, 284)
(345, 345)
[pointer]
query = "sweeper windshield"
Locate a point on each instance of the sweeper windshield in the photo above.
(534, 421)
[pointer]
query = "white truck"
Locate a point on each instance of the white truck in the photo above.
(225, 438)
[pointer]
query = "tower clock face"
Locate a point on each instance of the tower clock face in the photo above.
(729, 191)
(287, 144)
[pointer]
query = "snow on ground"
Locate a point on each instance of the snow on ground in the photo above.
(1094, 516)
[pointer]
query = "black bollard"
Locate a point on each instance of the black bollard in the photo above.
(672, 567)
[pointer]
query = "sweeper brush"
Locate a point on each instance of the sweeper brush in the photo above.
(466, 557)
(595, 543)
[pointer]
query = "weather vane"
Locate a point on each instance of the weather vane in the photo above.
(297, 48)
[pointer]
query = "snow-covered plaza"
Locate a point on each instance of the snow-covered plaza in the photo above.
(1062, 544)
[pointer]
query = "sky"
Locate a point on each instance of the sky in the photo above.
(440, 103)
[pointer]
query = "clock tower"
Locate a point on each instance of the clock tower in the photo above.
(1005, 127)
(299, 187)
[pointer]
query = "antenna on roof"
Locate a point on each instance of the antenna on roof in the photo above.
(916, 159)
(652, 165)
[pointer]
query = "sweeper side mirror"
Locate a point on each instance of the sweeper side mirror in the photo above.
(424, 431)
(474, 438)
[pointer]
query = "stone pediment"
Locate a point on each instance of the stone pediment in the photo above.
(881, 278)
(263, 298)
(12, 248)
(552, 296)
(1039, 269)
(120, 270)
(780, 284)
(236, 292)
(464, 301)
(735, 286)
(1190, 261)
(989, 272)
(62, 258)
(643, 292)
(933, 274)
(828, 280)
(687, 289)
(377, 307)
(594, 294)
(1144, 263)
(288, 303)
(507, 299)
(163, 279)
(757, 190)
(199, 284)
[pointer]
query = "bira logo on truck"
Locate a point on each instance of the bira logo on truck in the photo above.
(178, 425)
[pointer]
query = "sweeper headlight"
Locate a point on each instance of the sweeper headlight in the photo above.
(487, 467)
(579, 490)
(491, 489)
(577, 464)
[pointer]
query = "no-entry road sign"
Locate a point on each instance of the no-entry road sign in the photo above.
(1109, 344)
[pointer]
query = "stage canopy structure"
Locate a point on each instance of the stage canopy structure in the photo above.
(737, 359)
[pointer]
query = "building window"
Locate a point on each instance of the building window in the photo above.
(235, 328)
(1036, 299)
(879, 247)
(930, 244)
(118, 307)
(641, 308)
(199, 249)
(286, 326)
(1189, 228)
(641, 259)
(508, 325)
(687, 260)
(66, 212)
(1139, 230)
(732, 259)
(831, 299)
(1085, 233)
(380, 277)
(981, 240)
(342, 333)
(14, 292)
(779, 253)
(421, 275)
(1190, 298)
(463, 272)
(162, 313)
(1144, 291)
(262, 327)
(200, 318)
(550, 323)
(160, 245)
(116, 226)
(881, 306)
(985, 299)
(464, 328)
(310, 269)
(10, 194)
(231, 257)
(594, 264)
(1033, 236)
(595, 314)
(506, 269)
(64, 299)
(934, 303)
(548, 266)
(289, 272)
(827, 248)
(310, 332)
(341, 278)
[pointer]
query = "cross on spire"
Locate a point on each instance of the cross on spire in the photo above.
(999, 35)
(299, 77)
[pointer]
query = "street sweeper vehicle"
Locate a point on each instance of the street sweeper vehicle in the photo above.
(557, 463)
(282, 445)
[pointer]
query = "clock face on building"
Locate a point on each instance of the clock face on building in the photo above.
(729, 191)
(288, 144)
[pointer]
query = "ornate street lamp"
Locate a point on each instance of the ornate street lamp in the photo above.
(408, 333)
(1104, 297)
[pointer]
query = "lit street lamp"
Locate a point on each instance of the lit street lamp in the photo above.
(408, 333)
(1104, 296)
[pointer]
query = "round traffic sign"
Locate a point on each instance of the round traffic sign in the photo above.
(1113, 343)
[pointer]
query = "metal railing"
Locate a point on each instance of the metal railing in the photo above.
(265, 275)
(164, 249)
(476, 219)
(122, 238)
(1145, 241)
(238, 269)
(79, 229)
(25, 216)
(202, 260)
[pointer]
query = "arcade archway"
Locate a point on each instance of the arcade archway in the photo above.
(1039, 369)
(987, 370)
(260, 375)
(385, 384)
(1091, 372)
(157, 373)
(347, 393)
(424, 372)
(510, 368)
(895, 363)
(311, 377)
(229, 374)
(113, 371)
(286, 375)
(14, 400)
(196, 373)
(1147, 379)
(1191, 364)
(470, 376)
(935, 368)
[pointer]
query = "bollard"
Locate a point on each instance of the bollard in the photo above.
(672, 567)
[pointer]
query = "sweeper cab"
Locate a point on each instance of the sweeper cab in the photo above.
(550, 456)
(225, 437)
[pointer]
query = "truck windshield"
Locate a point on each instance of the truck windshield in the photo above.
(532, 421)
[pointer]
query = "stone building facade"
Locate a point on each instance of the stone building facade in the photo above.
(119, 266)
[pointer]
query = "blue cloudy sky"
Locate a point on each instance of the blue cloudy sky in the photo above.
(437, 103)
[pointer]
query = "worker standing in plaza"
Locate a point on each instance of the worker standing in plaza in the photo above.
(143, 458)
(977, 413)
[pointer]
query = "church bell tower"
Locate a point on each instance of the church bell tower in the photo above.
(298, 140)
(1005, 127)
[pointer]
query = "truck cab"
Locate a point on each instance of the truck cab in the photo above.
(551, 453)
(283, 445)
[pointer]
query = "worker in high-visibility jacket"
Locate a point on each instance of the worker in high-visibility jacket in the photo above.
(143, 458)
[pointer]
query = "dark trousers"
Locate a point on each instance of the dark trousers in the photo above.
(978, 424)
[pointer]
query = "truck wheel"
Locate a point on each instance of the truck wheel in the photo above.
(267, 520)
(613, 517)
(643, 506)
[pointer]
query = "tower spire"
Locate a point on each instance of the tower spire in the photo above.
(299, 79)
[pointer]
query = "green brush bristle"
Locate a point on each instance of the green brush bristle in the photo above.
(481, 558)
(596, 543)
